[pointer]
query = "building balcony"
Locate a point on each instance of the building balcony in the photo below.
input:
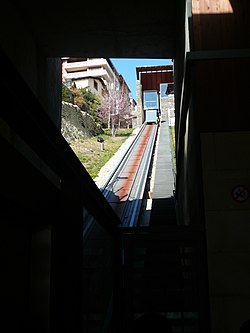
(90, 63)
(100, 72)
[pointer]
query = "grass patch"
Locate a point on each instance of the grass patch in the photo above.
(172, 135)
(88, 150)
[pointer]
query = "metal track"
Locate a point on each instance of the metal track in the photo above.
(125, 187)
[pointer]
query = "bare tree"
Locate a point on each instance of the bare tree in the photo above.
(115, 109)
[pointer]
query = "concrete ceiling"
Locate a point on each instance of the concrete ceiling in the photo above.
(93, 29)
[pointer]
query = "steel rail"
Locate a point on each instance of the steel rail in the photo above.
(106, 188)
(125, 187)
(132, 209)
(120, 164)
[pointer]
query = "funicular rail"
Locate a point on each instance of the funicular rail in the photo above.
(102, 254)
(125, 187)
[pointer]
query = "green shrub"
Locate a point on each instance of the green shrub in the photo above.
(67, 95)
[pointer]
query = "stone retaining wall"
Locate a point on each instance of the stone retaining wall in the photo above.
(77, 124)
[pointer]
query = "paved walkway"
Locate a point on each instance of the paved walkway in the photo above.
(163, 206)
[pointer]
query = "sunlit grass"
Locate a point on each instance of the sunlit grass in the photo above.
(89, 151)
(172, 135)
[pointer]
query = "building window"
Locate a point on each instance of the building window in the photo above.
(150, 99)
(96, 85)
(163, 90)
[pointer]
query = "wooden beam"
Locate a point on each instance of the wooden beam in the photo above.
(218, 54)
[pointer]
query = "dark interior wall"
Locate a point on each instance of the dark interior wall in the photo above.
(221, 24)
(15, 274)
(40, 275)
(19, 45)
(42, 74)
(221, 84)
(179, 60)
(183, 132)
(222, 90)
(50, 87)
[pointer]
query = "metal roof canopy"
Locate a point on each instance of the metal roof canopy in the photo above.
(152, 76)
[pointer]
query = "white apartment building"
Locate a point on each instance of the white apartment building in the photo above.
(96, 74)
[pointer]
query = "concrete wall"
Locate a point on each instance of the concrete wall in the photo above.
(140, 115)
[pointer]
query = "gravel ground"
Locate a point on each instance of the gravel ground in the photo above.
(112, 163)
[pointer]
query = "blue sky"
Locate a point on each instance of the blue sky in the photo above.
(127, 68)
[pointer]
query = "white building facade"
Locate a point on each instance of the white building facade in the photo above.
(96, 74)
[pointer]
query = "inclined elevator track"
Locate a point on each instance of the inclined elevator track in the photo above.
(163, 264)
